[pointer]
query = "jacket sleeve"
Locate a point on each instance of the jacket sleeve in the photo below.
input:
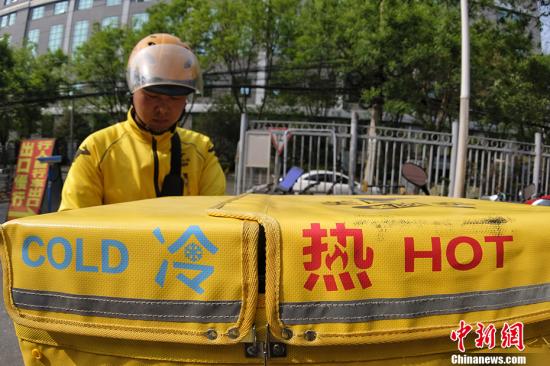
(84, 184)
(212, 181)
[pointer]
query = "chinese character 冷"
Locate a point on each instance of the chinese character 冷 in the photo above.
(192, 252)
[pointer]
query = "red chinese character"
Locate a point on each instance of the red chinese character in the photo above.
(338, 253)
(485, 336)
(316, 248)
(362, 260)
(362, 257)
(512, 335)
(460, 334)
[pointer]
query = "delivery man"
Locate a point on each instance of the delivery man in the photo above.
(148, 155)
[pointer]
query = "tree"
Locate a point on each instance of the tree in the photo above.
(6, 65)
(221, 124)
(28, 84)
(308, 62)
(504, 96)
(229, 37)
(100, 66)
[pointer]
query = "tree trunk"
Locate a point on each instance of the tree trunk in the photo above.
(368, 176)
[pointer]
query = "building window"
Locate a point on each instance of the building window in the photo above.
(7, 20)
(37, 12)
(33, 36)
(56, 37)
(11, 19)
(60, 7)
(110, 22)
(85, 4)
(138, 20)
(80, 33)
(113, 2)
(8, 2)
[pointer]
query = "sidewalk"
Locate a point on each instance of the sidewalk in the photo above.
(9, 348)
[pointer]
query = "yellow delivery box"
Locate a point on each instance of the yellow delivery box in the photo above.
(347, 279)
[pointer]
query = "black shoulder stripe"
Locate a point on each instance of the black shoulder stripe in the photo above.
(83, 151)
(109, 148)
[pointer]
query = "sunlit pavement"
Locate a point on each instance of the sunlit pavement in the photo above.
(9, 349)
(3, 210)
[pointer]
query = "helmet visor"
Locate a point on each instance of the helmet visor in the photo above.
(164, 65)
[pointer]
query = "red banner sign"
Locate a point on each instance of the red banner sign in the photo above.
(30, 178)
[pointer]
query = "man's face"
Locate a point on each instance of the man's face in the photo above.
(158, 111)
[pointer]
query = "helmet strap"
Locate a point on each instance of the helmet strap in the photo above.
(144, 127)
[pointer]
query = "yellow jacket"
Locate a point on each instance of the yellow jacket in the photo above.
(117, 164)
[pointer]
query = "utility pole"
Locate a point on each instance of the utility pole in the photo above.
(464, 104)
(71, 129)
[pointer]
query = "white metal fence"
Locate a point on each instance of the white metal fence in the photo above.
(374, 157)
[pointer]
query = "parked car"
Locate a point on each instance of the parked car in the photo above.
(324, 182)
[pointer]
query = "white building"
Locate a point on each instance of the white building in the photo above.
(65, 24)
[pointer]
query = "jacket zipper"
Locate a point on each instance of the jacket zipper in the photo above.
(156, 167)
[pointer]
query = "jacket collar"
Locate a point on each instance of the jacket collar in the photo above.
(132, 126)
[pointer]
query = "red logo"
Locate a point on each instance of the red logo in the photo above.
(510, 335)
(485, 336)
(320, 255)
(461, 333)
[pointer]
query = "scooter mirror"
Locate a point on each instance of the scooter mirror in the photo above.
(416, 175)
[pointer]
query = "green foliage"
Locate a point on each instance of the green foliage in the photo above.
(398, 52)
(228, 35)
(29, 83)
(400, 56)
(100, 64)
(222, 125)
(6, 65)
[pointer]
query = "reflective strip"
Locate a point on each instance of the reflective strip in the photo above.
(410, 307)
(114, 307)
